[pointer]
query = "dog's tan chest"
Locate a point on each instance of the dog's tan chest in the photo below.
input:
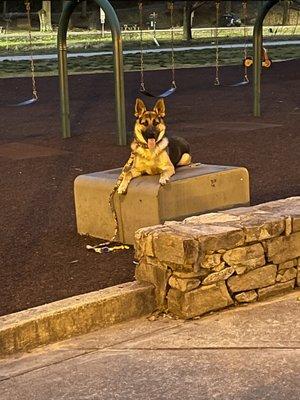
(154, 165)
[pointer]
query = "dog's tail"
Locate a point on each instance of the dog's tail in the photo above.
(125, 169)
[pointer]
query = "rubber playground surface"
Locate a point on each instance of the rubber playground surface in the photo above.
(42, 258)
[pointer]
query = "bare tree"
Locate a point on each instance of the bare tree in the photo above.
(189, 8)
(45, 17)
(228, 4)
(4, 9)
(84, 9)
(286, 12)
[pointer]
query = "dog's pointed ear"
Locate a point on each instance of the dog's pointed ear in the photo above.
(140, 107)
(160, 108)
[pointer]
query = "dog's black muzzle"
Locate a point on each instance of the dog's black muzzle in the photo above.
(151, 133)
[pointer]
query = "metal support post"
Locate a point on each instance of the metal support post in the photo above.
(68, 9)
(257, 47)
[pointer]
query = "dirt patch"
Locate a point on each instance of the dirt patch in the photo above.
(42, 258)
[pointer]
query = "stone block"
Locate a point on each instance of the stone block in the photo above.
(287, 264)
(258, 278)
(183, 285)
(289, 207)
(276, 289)
(175, 248)
(296, 223)
(192, 190)
(211, 237)
(211, 261)
(201, 273)
(158, 276)
(198, 301)
(246, 297)
(283, 248)
(258, 227)
(211, 218)
(245, 258)
(257, 224)
(143, 243)
(219, 267)
(218, 276)
(286, 275)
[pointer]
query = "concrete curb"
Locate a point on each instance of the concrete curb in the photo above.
(74, 316)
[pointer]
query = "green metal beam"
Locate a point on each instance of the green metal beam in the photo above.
(68, 8)
(257, 46)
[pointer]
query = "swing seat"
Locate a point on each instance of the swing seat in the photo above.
(26, 102)
(159, 96)
(143, 90)
(242, 83)
(192, 190)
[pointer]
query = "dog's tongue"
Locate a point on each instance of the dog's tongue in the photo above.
(151, 144)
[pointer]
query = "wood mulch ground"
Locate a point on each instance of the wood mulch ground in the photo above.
(42, 258)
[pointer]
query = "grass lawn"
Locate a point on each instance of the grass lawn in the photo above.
(183, 59)
(17, 42)
(14, 44)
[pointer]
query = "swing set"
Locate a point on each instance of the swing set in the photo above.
(247, 60)
(173, 86)
(260, 59)
(34, 97)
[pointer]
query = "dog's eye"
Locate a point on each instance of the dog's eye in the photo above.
(145, 123)
(156, 122)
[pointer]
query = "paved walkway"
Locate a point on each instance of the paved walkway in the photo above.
(249, 353)
(154, 50)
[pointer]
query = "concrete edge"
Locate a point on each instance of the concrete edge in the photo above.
(49, 323)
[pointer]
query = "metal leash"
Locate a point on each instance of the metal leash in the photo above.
(107, 247)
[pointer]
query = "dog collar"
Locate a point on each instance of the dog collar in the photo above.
(144, 145)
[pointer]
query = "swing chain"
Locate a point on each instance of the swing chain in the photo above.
(172, 44)
(142, 64)
(245, 17)
(34, 89)
(217, 80)
(142, 85)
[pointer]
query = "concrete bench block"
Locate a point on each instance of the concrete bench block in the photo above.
(192, 190)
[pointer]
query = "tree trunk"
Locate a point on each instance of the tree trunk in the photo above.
(228, 5)
(4, 9)
(83, 9)
(45, 17)
(187, 26)
(286, 9)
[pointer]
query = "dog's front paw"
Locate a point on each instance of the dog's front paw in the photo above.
(163, 180)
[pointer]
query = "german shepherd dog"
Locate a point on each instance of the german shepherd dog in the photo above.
(152, 152)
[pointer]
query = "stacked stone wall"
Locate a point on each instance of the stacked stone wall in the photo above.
(212, 261)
